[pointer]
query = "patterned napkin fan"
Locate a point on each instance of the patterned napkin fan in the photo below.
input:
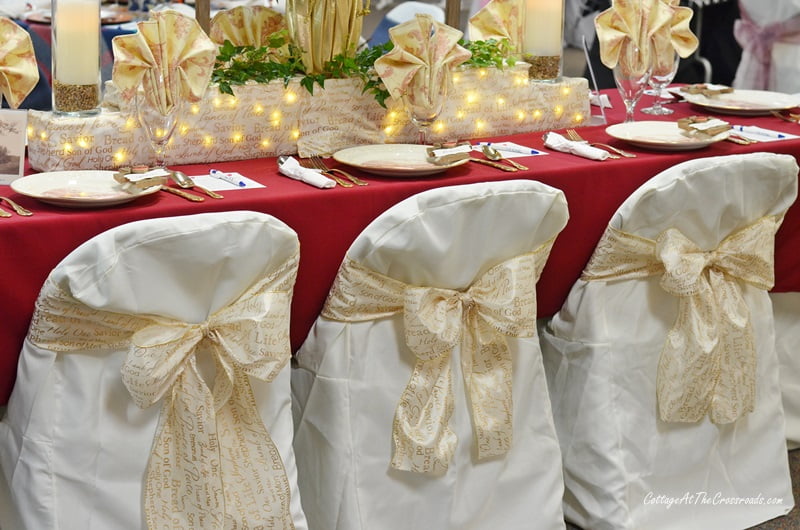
(170, 54)
(424, 50)
(19, 72)
(499, 20)
(661, 24)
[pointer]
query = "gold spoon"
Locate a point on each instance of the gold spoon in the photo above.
(182, 180)
(493, 154)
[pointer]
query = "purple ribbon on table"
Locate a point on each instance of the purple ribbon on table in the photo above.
(755, 67)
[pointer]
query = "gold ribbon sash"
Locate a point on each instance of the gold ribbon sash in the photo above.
(708, 362)
(213, 465)
(500, 303)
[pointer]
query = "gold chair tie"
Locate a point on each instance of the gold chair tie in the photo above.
(708, 362)
(212, 465)
(500, 303)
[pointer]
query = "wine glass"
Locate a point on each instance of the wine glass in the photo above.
(665, 65)
(631, 74)
(158, 108)
(425, 97)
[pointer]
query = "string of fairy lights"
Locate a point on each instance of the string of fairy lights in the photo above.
(464, 119)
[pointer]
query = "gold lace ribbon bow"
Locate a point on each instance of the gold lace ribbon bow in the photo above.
(663, 23)
(212, 465)
(708, 362)
(498, 19)
(500, 303)
(19, 71)
(170, 56)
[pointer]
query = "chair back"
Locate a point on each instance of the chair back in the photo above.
(637, 342)
(356, 373)
(769, 34)
(184, 314)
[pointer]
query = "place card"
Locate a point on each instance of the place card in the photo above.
(13, 128)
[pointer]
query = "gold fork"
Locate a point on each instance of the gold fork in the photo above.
(16, 207)
(308, 163)
(317, 160)
(790, 118)
(575, 137)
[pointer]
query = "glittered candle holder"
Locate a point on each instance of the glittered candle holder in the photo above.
(542, 40)
(76, 57)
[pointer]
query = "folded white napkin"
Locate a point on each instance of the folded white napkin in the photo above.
(292, 169)
(600, 100)
(559, 143)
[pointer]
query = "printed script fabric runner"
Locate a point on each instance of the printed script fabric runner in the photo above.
(499, 19)
(19, 72)
(662, 24)
(424, 54)
(708, 363)
(170, 54)
(212, 459)
(499, 304)
(247, 26)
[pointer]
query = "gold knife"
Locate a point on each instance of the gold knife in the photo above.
(181, 193)
(493, 164)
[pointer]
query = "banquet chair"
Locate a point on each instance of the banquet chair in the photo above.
(786, 307)
(153, 387)
(661, 363)
(384, 437)
(769, 34)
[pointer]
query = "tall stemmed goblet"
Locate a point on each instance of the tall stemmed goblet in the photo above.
(158, 108)
(665, 65)
(425, 98)
(631, 74)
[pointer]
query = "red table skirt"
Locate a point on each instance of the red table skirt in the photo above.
(327, 221)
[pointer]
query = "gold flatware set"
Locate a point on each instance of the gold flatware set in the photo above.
(614, 152)
(316, 162)
(19, 210)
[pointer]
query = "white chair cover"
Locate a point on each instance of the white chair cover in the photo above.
(625, 468)
(352, 375)
(786, 307)
(73, 446)
(769, 33)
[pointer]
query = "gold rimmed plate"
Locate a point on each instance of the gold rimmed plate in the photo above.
(744, 102)
(78, 189)
(393, 160)
(661, 136)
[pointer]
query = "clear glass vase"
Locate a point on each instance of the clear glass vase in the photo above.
(75, 70)
(542, 39)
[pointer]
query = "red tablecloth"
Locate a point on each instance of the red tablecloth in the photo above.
(327, 221)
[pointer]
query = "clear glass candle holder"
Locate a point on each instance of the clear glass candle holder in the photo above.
(542, 40)
(75, 27)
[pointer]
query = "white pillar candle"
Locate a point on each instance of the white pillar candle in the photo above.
(76, 45)
(544, 24)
